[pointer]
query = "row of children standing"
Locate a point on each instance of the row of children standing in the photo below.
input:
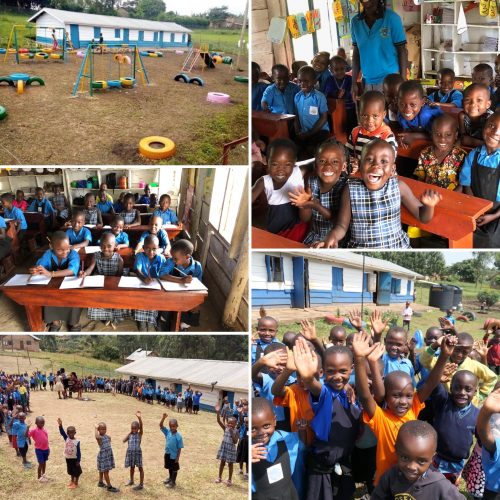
(326, 205)
(397, 434)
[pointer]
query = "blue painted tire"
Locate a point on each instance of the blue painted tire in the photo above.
(3, 113)
(143, 53)
(197, 81)
(114, 84)
(3, 50)
(181, 77)
(19, 76)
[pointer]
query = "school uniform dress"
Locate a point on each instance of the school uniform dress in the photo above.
(282, 216)
(91, 215)
(454, 97)
(422, 122)
(281, 102)
(50, 262)
(359, 137)
(475, 128)
(481, 173)
(319, 226)
(227, 449)
(242, 449)
(128, 217)
(133, 457)
(80, 237)
(72, 454)
(60, 200)
(105, 458)
(168, 216)
(376, 216)
(107, 267)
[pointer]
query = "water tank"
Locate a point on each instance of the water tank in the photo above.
(441, 296)
(457, 295)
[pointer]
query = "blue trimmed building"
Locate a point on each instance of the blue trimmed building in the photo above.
(303, 279)
(82, 28)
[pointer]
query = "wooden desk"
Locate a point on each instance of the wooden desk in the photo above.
(338, 113)
(454, 217)
(265, 239)
(109, 297)
(271, 125)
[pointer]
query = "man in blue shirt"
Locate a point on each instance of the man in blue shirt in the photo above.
(173, 447)
(279, 97)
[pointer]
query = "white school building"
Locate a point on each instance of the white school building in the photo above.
(83, 28)
(215, 379)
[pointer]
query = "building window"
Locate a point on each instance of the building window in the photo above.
(97, 32)
(155, 36)
(225, 204)
(274, 267)
(9, 342)
(28, 342)
(337, 278)
(141, 36)
(395, 286)
(117, 32)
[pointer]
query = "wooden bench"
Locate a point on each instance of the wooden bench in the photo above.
(264, 239)
(454, 217)
(127, 254)
(271, 125)
(338, 114)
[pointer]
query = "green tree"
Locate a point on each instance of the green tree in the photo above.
(491, 297)
(48, 343)
(150, 9)
(465, 270)
(218, 13)
(481, 262)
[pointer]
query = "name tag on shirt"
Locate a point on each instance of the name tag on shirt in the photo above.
(313, 110)
(274, 474)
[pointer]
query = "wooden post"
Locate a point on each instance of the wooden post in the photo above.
(240, 233)
(198, 200)
(239, 282)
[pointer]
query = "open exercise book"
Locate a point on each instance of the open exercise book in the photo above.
(133, 282)
(92, 249)
(196, 284)
(22, 280)
(76, 282)
(92, 226)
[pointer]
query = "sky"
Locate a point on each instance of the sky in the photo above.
(188, 7)
(451, 256)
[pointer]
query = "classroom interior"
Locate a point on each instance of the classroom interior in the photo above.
(212, 209)
(439, 35)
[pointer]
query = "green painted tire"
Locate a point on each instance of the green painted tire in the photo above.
(3, 113)
(6, 79)
(241, 79)
(34, 79)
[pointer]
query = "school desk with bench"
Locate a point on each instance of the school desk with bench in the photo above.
(272, 125)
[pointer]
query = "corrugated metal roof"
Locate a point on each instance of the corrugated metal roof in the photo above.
(68, 17)
(229, 375)
(138, 354)
(356, 260)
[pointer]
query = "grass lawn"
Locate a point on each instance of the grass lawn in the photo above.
(7, 19)
(219, 39)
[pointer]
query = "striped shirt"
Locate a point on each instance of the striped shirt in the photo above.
(360, 136)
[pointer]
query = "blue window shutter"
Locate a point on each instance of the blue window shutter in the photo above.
(365, 282)
(97, 32)
(408, 287)
(338, 278)
(398, 286)
(117, 32)
(282, 269)
(268, 268)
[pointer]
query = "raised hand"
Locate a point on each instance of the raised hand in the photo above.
(492, 402)
(351, 395)
(164, 415)
(138, 414)
(259, 452)
(481, 347)
(377, 352)
(59, 422)
(217, 408)
(354, 165)
(361, 345)
(290, 362)
(448, 372)
(355, 319)
(308, 329)
(430, 198)
(448, 343)
(377, 323)
(412, 344)
(305, 358)
(300, 197)
(274, 359)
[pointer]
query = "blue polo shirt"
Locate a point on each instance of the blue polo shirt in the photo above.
(398, 364)
(257, 93)
(260, 343)
(82, 235)
(50, 262)
(196, 398)
(173, 442)
(309, 108)
(16, 214)
(491, 466)
(19, 430)
(167, 216)
(422, 121)
(322, 78)
(3, 224)
(145, 267)
(483, 158)
(192, 269)
(105, 206)
(43, 206)
(456, 97)
(144, 200)
(161, 235)
(120, 239)
(281, 102)
(376, 45)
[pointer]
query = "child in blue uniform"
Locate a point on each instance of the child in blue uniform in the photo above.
(43, 206)
(258, 88)
(145, 199)
(483, 73)
(279, 97)
(173, 448)
(155, 230)
(121, 237)
(58, 262)
(320, 65)
(472, 120)
(79, 235)
(104, 202)
(394, 358)
(167, 215)
(12, 212)
(5, 241)
(446, 93)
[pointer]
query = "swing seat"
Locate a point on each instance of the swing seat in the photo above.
(127, 81)
(56, 56)
(100, 84)
(114, 84)
(42, 55)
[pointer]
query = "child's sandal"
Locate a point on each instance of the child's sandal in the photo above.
(218, 480)
(229, 483)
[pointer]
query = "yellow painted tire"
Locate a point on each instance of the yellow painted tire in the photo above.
(127, 81)
(20, 86)
(153, 54)
(56, 56)
(12, 51)
(99, 84)
(22, 55)
(166, 151)
(42, 55)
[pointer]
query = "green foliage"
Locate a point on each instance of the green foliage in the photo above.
(48, 343)
(426, 263)
(491, 297)
(465, 270)
(392, 317)
(196, 21)
(150, 9)
(106, 352)
(218, 14)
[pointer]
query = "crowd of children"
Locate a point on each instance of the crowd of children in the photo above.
(360, 411)
(349, 195)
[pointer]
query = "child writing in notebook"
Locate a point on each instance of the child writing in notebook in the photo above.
(155, 229)
(92, 213)
(167, 215)
(79, 235)
(131, 216)
(283, 178)
(106, 262)
(59, 261)
(371, 205)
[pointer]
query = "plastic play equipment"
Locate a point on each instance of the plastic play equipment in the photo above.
(20, 81)
(24, 46)
(3, 113)
(198, 55)
(110, 64)
(182, 77)
(218, 98)
(165, 149)
(151, 53)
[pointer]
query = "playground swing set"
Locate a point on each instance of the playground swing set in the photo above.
(24, 46)
(116, 55)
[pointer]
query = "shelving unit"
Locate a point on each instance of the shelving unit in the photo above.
(443, 47)
(27, 179)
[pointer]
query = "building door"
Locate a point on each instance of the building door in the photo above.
(161, 38)
(125, 35)
(299, 291)
(151, 382)
(21, 344)
(384, 289)
(172, 37)
(178, 388)
(74, 34)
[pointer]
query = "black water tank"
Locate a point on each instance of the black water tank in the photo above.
(441, 296)
(457, 295)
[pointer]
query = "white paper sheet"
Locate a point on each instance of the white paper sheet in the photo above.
(75, 282)
(92, 249)
(22, 280)
(170, 226)
(196, 284)
(133, 282)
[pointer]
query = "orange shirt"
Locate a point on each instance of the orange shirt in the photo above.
(385, 425)
(297, 399)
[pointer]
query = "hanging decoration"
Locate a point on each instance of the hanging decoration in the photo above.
(337, 11)
(310, 21)
(293, 27)
(303, 23)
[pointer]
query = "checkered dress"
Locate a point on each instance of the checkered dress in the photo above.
(376, 216)
(133, 457)
(107, 267)
(144, 316)
(320, 227)
(58, 200)
(227, 450)
(128, 217)
(91, 215)
(105, 459)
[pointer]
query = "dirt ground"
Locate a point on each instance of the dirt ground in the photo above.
(47, 126)
(201, 435)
